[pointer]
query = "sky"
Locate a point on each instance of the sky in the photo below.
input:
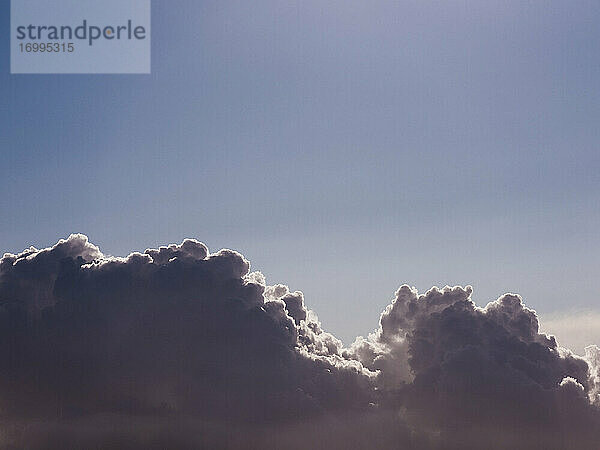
(344, 147)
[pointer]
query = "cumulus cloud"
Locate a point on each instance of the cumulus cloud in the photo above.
(486, 368)
(178, 347)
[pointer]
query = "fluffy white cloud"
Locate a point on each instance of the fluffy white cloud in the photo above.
(573, 329)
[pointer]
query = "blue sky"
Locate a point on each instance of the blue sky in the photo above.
(344, 147)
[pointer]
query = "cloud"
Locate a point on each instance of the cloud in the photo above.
(178, 347)
(484, 368)
(574, 329)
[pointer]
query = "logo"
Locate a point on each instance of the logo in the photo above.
(86, 32)
(80, 36)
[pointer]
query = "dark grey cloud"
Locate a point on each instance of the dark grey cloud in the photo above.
(481, 377)
(180, 348)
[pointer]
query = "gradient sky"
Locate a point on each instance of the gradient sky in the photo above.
(344, 147)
